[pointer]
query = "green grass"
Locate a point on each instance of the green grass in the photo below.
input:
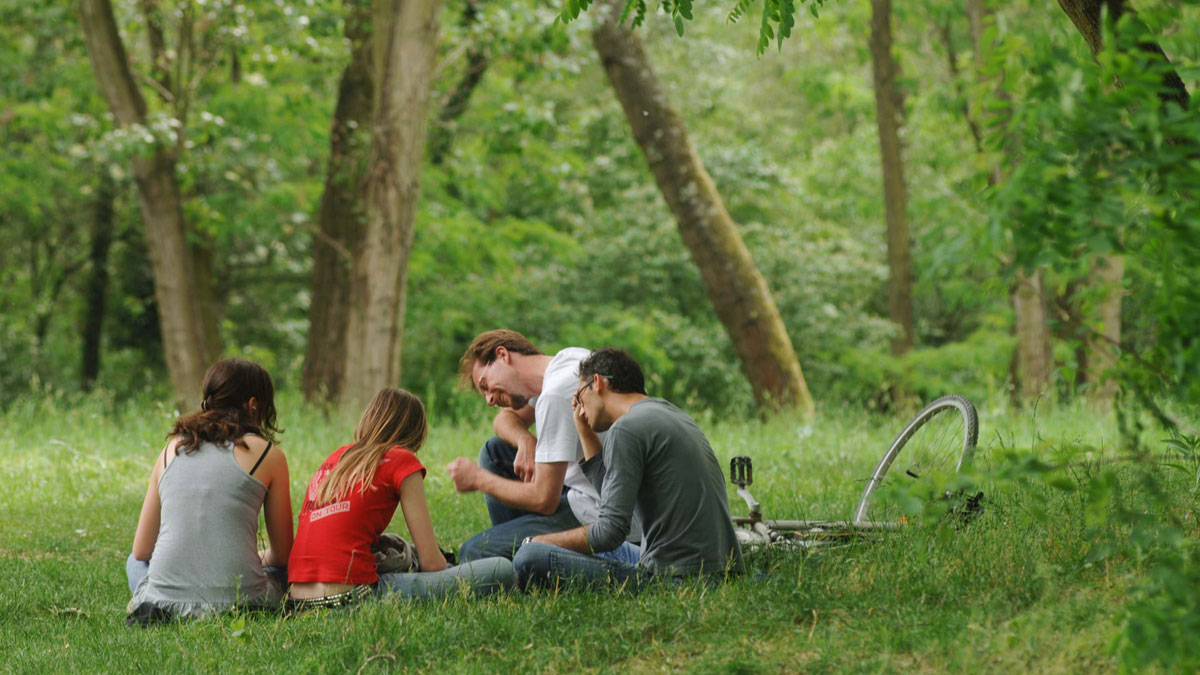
(1011, 591)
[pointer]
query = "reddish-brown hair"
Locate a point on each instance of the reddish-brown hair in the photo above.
(224, 415)
(483, 349)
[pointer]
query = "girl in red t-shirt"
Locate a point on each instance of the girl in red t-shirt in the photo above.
(352, 498)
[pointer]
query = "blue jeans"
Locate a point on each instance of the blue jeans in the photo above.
(510, 526)
(136, 570)
(540, 564)
(482, 577)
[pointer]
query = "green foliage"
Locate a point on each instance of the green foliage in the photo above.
(1100, 162)
(778, 16)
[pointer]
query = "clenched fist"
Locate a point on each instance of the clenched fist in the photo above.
(464, 473)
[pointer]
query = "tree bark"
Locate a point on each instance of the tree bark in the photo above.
(97, 283)
(1102, 342)
(180, 317)
(1101, 346)
(405, 47)
(1034, 358)
(889, 105)
(1087, 16)
(341, 220)
(738, 292)
(447, 119)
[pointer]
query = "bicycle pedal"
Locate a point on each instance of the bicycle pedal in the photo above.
(741, 471)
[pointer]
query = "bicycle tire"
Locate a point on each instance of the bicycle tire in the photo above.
(956, 432)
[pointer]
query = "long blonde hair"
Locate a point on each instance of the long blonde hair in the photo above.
(394, 417)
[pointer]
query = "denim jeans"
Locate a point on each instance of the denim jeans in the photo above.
(540, 564)
(510, 526)
(482, 577)
(136, 570)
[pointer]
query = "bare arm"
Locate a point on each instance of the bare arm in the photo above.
(146, 535)
(420, 526)
(512, 426)
(574, 540)
(587, 437)
(540, 496)
(277, 509)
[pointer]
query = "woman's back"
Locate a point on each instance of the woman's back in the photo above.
(206, 555)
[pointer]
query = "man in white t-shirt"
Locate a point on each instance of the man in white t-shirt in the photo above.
(532, 484)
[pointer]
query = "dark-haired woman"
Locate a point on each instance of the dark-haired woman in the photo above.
(196, 547)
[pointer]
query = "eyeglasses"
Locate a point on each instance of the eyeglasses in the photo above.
(579, 391)
(481, 385)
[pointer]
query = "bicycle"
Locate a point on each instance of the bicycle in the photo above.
(937, 443)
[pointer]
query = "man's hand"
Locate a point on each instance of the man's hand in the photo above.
(587, 437)
(465, 474)
(580, 417)
(524, 463)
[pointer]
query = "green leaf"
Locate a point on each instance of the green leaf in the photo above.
(679, 25)
(1062, 483)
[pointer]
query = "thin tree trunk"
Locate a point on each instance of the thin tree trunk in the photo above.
(889, 105)
(342, 222)
(405, 47)
(956, 78)
(97, 282)
(1033, 358)
(738, 292)
(1087, 16)
(1100, 350)
(180, 317)
(1102, 343)
(442, 135)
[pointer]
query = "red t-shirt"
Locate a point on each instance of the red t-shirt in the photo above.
(333, 542)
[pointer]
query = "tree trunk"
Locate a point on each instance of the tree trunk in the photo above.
(180, 316)
(1034, 359)
(447, 119)
(405, 47)
(97, 282)
(1087, 16)
(1102, 342)
(1100, 348)
(736, 288)
(342, 221)
(889, 105)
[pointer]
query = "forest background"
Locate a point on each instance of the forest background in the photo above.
(833, 209)
(535, 209)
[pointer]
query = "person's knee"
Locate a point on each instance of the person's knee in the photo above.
(531, 562)
(473, 548)
(492, 574)
(496, 453)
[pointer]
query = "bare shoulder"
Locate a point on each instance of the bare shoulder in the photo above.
(168, 454)
(253, 449)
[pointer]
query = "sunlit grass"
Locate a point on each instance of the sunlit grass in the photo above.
(1009, 591)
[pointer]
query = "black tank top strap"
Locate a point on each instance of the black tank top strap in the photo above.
(261, 458)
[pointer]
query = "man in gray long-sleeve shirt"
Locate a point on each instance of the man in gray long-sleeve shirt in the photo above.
(656, 462)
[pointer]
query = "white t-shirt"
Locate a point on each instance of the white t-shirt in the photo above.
(557, 439)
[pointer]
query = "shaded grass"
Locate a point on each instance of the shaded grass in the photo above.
(1014, 590)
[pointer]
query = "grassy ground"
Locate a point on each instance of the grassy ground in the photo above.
(1011, 591)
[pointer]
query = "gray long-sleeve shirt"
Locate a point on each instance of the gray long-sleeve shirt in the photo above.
(657, 462)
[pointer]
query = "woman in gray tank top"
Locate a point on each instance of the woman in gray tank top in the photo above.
(195, 552)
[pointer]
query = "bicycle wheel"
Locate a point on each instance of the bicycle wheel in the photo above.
(938, 443)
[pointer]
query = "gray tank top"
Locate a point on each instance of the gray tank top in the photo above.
(206, 556)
